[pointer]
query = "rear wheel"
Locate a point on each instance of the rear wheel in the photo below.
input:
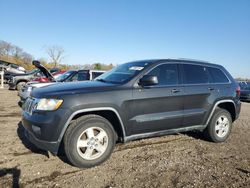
(219, 127)
(89, 141)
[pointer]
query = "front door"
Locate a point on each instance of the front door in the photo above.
(158, 107)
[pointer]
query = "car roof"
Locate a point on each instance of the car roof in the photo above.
(181, 60)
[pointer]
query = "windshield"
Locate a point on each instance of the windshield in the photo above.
(124, 72)
(64, 76)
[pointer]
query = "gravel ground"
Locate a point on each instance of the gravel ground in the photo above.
(180, 160)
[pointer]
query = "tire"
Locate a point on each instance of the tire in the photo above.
(84, 146)
(20, 85)
(219, 127)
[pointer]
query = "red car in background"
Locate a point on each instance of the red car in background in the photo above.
(43, 79)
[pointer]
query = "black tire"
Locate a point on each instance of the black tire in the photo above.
(20, 85)
(211, 133)
(76, 129)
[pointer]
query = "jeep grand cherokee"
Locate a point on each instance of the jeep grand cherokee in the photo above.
(132, 101)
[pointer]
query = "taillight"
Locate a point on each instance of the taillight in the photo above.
(238, 91)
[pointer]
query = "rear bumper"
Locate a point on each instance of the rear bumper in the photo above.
(238, 109)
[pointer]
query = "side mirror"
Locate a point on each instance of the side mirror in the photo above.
(148, 80)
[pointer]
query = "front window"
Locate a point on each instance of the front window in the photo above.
(124, 72)
(167, 74)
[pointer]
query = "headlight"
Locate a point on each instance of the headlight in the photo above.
(48, 104)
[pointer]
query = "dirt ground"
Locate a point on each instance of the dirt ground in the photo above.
(181, 160)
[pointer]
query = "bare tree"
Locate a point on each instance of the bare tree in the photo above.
(56, 54)
(5, 48)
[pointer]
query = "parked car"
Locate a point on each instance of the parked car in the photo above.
(69, 76)
(12, 68)
(133, 101)
(18, 81)
(44, 79)
(245, 91)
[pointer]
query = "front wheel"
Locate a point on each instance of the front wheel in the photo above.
(89, 141)
(219, 127)
(20, 85)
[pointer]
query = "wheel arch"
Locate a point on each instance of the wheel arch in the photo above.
(226, 104)
(21, 80)
(109, 113)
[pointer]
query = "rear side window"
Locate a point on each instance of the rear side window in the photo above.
(195, 74)
(217, 75)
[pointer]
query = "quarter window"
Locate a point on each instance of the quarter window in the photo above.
(195, 74)
(167, 74)
(217, 75)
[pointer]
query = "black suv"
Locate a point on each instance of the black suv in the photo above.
(132, 101)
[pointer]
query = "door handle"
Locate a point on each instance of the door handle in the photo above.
(175, 90)
(211, 89)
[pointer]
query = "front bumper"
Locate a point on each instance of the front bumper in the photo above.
(44, 145)
(45, 129)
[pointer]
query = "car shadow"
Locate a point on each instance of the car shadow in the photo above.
(196, 135)
(15, 172)
(27, 143)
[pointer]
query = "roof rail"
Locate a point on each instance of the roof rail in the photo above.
(189, 59)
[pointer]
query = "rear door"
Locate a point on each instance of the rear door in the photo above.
(199, 94)
(158, 107)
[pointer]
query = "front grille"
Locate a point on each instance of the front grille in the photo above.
(29, 105)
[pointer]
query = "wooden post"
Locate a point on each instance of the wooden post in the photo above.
(2, 78)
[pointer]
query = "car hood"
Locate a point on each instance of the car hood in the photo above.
(38, 85)
(71, 88)
(26, 74)
(45, 71)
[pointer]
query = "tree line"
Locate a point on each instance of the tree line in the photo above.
(14, 54)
